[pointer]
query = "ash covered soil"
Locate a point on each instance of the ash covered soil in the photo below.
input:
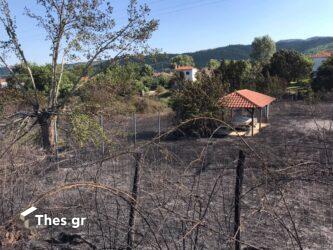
(186, 189)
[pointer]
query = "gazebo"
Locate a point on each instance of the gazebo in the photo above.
(250, 101)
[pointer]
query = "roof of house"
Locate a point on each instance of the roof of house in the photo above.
(246, 99)
(322, 54)
(182, 68)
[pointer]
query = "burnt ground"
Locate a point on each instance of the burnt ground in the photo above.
(186, 189)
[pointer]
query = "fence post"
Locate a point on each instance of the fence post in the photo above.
(56, 139)
(238, 193)
(159, 126)
(134, 125)
(133, 204)
(101, 123)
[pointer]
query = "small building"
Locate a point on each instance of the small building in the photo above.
(188, 72)
(3, 83)
(319, 58)
(250, 101)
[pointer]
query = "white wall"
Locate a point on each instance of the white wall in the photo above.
(191, 76)
(317, 63)
(3, 84)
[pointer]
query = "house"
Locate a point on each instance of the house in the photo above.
(319, 58)
(189, 72)
(3, 83)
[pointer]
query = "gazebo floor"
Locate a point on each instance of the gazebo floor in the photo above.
(249, 132)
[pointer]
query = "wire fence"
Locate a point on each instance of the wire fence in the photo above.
(185, 188)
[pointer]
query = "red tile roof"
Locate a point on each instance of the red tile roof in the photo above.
(322, 54)
(246, 99)
(182, 68)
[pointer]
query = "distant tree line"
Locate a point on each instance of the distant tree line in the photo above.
(269, 71)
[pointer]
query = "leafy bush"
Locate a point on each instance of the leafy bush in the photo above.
(164, 80)
(160, 90)
(324, 77)
(148, 105)
(43, 77)
(86, 130)
(182, 60)
(240, 74)
(198, 99)
(276, 86)
(290, 65)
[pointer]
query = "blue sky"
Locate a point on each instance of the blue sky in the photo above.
(191, 25)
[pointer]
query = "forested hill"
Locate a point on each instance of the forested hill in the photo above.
(242, 52)
(237, 52)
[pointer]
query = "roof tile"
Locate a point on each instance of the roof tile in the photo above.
(246, 99)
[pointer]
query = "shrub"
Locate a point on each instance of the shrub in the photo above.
(148, 105)
(160, 90)
(86, 130)
(290, 65)
(324, 77)
(198, 99)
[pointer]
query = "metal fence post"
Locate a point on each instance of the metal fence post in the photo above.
(101, 123)
(134, 125)
(159, 126)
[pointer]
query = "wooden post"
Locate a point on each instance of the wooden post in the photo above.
(159, 126)
(260, 119)
(56, 138)
(238, 193)
(252, 116)
(133, 204)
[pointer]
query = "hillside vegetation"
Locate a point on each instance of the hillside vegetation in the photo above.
(242, 52)
(235, 52)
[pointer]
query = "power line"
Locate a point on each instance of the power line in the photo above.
(191, 6)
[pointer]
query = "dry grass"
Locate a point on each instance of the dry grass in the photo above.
(186, 189)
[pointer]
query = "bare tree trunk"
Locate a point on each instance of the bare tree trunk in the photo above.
(238, 193)
(47, 124)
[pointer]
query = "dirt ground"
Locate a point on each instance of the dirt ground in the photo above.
(186, 188)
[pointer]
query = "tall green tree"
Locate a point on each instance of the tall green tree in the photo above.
(290, 65)
(182, 60)
(263, 49)
(43, 76)
(239, 73)
(213, 64)
(83, 30)
(324, 76)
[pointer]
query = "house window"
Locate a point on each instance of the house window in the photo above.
(187, 73)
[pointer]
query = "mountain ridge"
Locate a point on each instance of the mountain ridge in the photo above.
(235, 52)
(242, 52)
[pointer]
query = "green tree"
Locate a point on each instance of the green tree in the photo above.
(290, 65)
(85, 30)
(213, 64)
(146, 70)
(182, 60)
(324, 76)
(263, 49)
(43, 76)
(239, 73)
(200, 98)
